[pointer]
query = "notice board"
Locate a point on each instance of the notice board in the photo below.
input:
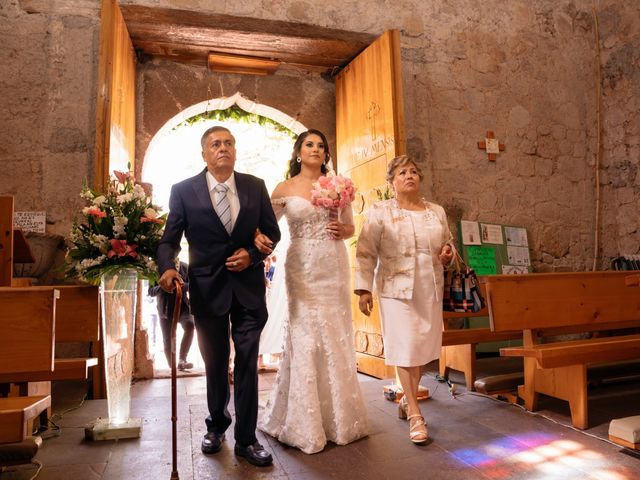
(492, 248)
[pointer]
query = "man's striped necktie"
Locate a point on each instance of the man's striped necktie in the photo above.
(223, 208)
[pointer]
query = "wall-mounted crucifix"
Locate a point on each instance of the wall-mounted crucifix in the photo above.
(492, 146)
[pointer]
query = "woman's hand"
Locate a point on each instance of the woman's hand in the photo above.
(263, 243)
(340, 231)
(365, 302)
(446, 254)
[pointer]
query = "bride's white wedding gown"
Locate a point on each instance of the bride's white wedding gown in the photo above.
(316, 396)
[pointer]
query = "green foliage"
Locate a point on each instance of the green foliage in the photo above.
(237, 114)
(120, 228)
(385, 194)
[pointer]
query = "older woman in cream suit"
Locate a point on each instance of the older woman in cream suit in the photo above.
(401, 250)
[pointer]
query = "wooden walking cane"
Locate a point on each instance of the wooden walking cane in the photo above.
(174, 399)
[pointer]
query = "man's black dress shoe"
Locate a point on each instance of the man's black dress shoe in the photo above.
(212, 442)
(255, 454)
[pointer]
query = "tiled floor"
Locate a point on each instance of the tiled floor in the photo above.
(472, 437)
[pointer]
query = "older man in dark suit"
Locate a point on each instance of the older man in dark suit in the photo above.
(219, 211)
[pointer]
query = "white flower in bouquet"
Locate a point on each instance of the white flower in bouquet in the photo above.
(119, 226)
(138, 192)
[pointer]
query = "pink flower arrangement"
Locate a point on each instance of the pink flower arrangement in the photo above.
(333, 191)
(119, 228)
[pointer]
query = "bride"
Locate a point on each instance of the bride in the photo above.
(316, 397)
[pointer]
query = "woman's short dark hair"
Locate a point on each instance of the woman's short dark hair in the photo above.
(294, 166)
(401, 161)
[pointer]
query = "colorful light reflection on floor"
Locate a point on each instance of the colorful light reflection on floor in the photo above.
(538, 455)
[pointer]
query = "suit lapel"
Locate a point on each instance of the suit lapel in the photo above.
(243, 195)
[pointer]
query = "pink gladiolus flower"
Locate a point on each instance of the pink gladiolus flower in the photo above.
(122, 249)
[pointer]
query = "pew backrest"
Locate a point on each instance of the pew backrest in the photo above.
(579, 301)
(27, 329)
(78, 314)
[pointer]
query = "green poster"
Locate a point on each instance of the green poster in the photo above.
(482, 259)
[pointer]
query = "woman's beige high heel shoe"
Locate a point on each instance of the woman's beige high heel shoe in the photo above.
(417, 429)
(402, 408)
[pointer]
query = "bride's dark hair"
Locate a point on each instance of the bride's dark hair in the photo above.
(294, 166)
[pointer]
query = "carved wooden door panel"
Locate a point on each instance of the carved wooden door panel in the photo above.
(369, 134)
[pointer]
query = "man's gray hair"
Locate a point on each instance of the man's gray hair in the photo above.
(209, 131)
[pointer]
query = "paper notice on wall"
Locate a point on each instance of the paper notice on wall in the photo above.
(482, 260)
(513, 269)
(493, 146)
(516, 236)
(518, 255)
(491, 233)
(30, 221)
(470, 232)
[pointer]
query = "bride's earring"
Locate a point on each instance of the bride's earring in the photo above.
(298, 159)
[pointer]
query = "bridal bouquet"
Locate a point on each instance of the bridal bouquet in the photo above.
(120, 228)
(333, 192)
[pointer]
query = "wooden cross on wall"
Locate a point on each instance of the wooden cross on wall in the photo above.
(492, 146)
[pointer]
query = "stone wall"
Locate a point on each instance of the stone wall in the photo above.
(48, 70)
(619, 24)
(526, 70)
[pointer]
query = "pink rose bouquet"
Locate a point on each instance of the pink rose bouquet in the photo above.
(333, 192)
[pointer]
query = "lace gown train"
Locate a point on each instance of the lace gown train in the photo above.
(316, 397)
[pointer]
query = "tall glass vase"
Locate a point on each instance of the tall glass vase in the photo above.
(118, 295)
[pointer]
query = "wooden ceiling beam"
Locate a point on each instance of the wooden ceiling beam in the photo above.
(188, 36)
(197, 54)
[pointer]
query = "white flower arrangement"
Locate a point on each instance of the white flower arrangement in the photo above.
(121, 229)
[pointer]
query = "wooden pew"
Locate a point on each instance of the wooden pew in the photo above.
(459, 344)
(27, 331)
(598, 305)
(77, 317)
(77, 320)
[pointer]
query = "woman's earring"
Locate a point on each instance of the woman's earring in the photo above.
(298, 159)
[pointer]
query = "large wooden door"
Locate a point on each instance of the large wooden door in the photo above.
(116, 99)
(369, 134)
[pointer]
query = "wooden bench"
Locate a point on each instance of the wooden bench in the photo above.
(77, 320)
(26, 344)
(459, 344)
(598, 305)
(77, 317)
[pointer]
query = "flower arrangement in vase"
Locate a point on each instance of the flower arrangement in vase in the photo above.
(120, 229)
